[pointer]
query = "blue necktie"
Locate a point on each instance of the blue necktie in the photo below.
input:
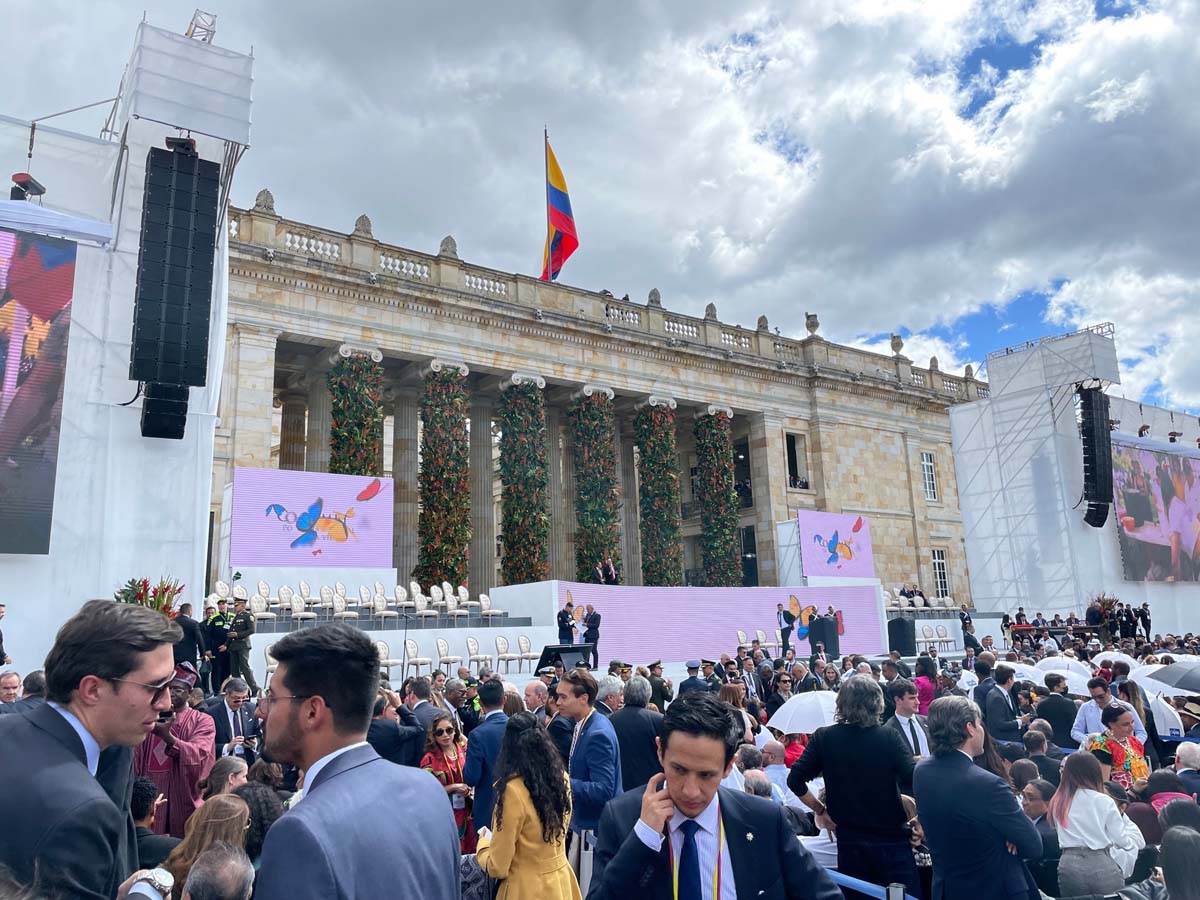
(689, 863)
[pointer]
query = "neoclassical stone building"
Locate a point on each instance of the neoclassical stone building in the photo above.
(816, 425)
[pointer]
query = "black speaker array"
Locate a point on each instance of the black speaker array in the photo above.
(824, 629)
(902, 636)
(173, 299)
(1097, 455)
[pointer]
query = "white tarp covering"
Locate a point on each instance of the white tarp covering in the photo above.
(21, 215)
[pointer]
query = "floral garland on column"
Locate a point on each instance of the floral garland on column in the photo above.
(524, 479)
(718, 502)
(658, 493)
(597, 497)
(444, 527)
(356, 412)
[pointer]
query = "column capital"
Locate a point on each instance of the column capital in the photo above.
(713, 409)
(657, 400)
(438, 364)
(345, 351)
(516, 379)
(589, 390)
(263, 333)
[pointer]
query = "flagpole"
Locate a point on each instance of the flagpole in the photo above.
(546, 167)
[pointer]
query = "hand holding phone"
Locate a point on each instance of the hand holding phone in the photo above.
(485, 832)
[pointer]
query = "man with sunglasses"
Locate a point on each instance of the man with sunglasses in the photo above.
(68, 819)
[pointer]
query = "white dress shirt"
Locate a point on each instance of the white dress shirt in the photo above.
(707, 838)
(229, 714)
(1094, 823)
(907, 723)
(1087, 721)
(91, 747)
(310, 775)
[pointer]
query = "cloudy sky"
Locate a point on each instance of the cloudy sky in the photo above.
(970, 174)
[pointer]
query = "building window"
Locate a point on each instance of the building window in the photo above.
(797, 461)
(749, 557)
(929, 477)
(741, 473)
(941, 575)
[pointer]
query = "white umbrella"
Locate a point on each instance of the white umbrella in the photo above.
(1076, 683)
(968, 680)
(805, 713)
(1166, 718)
(1025, 673)
(1063, 664)
(1153, 686)
(1114, 656)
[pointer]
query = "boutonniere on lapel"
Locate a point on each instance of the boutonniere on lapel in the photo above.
(749, 835)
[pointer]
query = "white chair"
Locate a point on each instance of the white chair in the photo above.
(272, 663)
(386, 663)
(382, 613)
(452, 609)
(294, 604)
(365, 595)
(422, 610)
(305, 591)
(415, 659)
(339, 589)
(414, 590)
(487, 610)
(264, 591)
(944, 641)
(528, 654)
(473, 654)
(447, 589)
(222, 589)
(464, 599)
(239, 593)
(762, 640)
(743, 641)
(443, 649)
(779, 639)
(380, 589)
(340, 611)
(503, 655)
(258, 606)
(402, 601)
(928, 636)
(436, 597)
(327, 595)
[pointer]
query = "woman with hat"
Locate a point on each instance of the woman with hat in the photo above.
(178, 753)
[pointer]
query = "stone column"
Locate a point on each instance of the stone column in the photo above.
(316, 457)
(561, 564)
(922, 565)
(253, 378)
(567, 562)
(631, 543)
(768, 479)
(481, 566)
(293, 403)
(405, 416)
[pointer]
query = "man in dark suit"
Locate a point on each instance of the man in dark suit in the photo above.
(693, 682)
(970, 816)
(1002, 719)
(1144, 618)
(339, 840)
(566, 624)
(1035, 799)
(905, 720)
(637, 728)
(785, 622)
(152, 848)
(395, 733)
(591, 633)
(191, 647)
(683, 819)
(420, 700)
(483, 749)
(1187, 766)
(1059, 710)
(33, 693)
(752, 681)
(901, 665)
(237, 731)
(983, 671)
(818, 660)
(69, 821)
(1035, 746)
(597, 576)
(970, 642)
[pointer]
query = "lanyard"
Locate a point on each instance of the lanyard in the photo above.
(716, 894)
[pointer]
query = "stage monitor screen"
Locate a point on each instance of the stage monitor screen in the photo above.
(286, 519)
(834, 545)
(1156, 495)
(37, 280)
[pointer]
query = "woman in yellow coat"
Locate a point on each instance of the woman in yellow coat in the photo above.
(526, 845)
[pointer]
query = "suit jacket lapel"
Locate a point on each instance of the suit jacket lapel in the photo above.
(50, 721)
(351, 759)
(738, 837)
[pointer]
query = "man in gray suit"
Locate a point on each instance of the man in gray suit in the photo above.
(340, 840)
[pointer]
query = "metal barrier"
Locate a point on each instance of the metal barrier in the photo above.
(863, 887)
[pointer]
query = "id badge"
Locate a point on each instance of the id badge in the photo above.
(458, 801)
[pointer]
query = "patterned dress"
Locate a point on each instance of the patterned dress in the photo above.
(176, 770)
(1128, 761)
(450, 771)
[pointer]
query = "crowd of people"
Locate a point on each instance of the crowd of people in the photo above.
(332, 783)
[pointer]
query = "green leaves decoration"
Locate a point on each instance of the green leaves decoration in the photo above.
(597, 497)
(718, 502)
(524, 480)
(444, 526)
(356, 408)
(658, 493)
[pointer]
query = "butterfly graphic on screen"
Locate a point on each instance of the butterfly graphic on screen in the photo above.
(837, 547)
(805, 615)
(311, 523)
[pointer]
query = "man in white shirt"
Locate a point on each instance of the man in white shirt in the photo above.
(911, 726)
(774, 768)
(1087, 720)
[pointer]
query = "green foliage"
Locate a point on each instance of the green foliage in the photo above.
(597, 497)
(444, 528)
(718, 502)
(658, 495)
(524, 480)
(356, 408)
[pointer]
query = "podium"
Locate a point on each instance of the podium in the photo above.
(824, 629)
(570, 654)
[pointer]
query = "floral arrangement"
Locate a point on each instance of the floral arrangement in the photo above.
(718, 502)
(159, 597)
(524, 479)
(658, 496)
(597, 497)
(356, 412)
(444, 526)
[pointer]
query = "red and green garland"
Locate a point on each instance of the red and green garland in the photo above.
(718, 502)
(597, 497)
(658, 494)
(444, 527)
(356, 411)
(524, 479)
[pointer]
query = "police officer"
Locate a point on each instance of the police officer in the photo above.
(693, 682)
(661, 689)
(240, 630)
(711, 678)
(216, 635)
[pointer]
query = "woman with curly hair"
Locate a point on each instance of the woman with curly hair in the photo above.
(1120, 753)
(445, 756)
(265, 809)
(224, 817)
(530, 819)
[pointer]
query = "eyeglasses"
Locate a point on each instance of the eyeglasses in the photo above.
(156, 690)
(441, 731)
(785, 681)
(268, 698)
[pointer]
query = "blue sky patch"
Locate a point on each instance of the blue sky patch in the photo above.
(1004, 55)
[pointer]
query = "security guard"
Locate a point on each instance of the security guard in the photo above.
(711, 677)
(693, 682)
(661, 690)
(216, 634)
(240, 630)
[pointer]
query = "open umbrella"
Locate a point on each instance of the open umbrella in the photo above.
(1166, 719)
(1183, 676)
(1025, 673)
(968, 680)
(1076, 683)
(805, 713)
(1113, 656)
(1145, 677)
(1063, 664)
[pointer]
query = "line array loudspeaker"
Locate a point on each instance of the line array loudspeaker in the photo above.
(164, 410)
(173, 299)
(1096, 437)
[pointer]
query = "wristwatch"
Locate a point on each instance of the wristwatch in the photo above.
(159, 879)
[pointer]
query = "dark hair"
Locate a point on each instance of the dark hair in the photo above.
(431, 744)
(512, 703)
(1023, 772)
(1053, 680)
(265, 809)
(1011, 752)
(1180, 813)
(491, 694)
(420, 687)
(104, 639)
(1034, 741)
(526, 752)
(214, 783)
(859, 702)
(1120, 668)
(1080, 771)
(1116, 791)
(926, 666)
(1098, 682)
(947, 722)
(982, 669)
(899, 688)
(264, 772)
(1112, 712)
(1179, 857)
(145, 792)
(1004, 674)
(1165, 781)
(581, 682)
(700, 714)
(750, 756)
(337, 663)
(1044, 788)
(34, 684)
(377, 709)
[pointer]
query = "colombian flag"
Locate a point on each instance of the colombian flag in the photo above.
(561, 240)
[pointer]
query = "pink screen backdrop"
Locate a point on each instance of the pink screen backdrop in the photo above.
(639, 625)
(833, 544)
(288, 519)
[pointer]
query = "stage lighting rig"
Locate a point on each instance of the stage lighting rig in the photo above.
(25, 186)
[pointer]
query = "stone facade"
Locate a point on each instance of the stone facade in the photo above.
(816, 425)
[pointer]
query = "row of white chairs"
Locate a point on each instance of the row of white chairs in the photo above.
(895, 601)
(761, 637)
